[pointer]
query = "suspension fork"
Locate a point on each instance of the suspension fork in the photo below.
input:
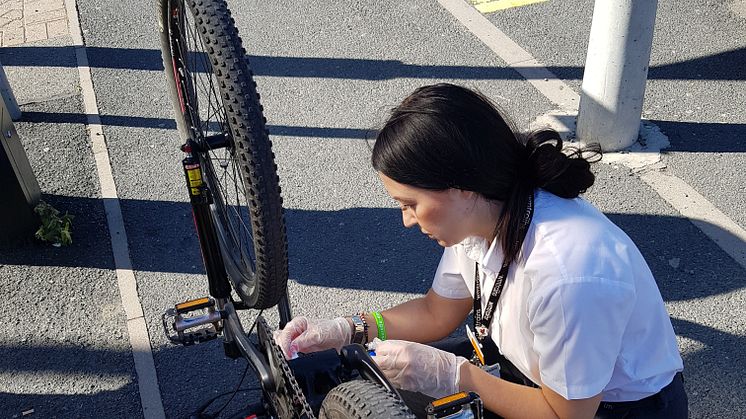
(200, 198)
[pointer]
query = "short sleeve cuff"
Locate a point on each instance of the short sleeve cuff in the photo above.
(453, 293)
(574, 392)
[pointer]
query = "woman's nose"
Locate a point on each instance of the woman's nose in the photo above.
(408, 219)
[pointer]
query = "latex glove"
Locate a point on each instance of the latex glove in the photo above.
(417, 367)
(311, 335)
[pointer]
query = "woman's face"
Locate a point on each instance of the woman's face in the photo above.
(444, 216)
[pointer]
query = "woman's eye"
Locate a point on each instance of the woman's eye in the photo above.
(404, 206)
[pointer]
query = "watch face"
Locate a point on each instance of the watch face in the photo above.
(357, 336)
(357, 322)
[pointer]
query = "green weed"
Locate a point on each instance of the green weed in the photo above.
(54, 229)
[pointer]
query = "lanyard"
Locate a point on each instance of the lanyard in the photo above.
(482, 320)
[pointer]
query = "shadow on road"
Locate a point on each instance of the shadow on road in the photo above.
(93, 382)
(684, 136)
(361, 248)
(66, 381)
(718, 66)
(703, 136)
(165, 123)
(714, 373)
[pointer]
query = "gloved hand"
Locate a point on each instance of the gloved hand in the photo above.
(417, 367)
(310, 335)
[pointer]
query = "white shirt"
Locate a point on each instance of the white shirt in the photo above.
(580, 312)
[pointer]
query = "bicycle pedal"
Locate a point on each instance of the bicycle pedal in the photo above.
(193, 321)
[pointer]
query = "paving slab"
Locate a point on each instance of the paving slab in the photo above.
(25, 21)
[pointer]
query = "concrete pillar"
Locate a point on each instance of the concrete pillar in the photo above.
(616, 70)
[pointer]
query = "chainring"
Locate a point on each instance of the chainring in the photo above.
(288, 400)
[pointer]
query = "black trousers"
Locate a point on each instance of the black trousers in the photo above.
(670, 403)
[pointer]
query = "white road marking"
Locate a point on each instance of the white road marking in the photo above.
(516, 57)
(692, 205)
(147, 380)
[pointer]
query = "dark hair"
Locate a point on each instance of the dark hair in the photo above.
(445, 136)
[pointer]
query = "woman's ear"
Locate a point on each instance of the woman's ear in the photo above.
(467, 198)
(464, 194)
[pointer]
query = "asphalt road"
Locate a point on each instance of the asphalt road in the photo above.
(328, 73)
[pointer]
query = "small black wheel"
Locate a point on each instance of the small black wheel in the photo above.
(362, 399)
(217, 109)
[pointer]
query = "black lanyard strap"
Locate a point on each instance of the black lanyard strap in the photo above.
(482, 321)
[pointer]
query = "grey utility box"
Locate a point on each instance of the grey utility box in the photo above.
(19, 190)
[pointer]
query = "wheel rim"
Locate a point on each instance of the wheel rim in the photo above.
(204, 113)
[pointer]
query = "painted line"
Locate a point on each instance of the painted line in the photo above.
(489, 6)
(147, 379)
(692, 205)
(641, 159)
(516, 57)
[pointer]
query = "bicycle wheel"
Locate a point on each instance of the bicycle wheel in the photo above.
(362, 399)
(217, 107)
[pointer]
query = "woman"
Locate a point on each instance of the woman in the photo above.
(564, 294)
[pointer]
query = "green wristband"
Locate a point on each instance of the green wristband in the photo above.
(379, 325)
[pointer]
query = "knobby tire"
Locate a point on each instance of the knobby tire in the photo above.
(258, 272)
(362, 399)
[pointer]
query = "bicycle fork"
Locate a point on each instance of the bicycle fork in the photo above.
(201, 320)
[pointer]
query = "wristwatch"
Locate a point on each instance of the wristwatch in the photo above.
(358, 330)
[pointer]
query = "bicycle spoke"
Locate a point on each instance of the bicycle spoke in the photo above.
(209, 118)
(211, 91)
(236, 208)
(236, 220)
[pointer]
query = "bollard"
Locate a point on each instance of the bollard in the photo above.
(20, 191)
(616, 70)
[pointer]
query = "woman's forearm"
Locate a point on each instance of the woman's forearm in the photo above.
(410, 321)
(507, 399)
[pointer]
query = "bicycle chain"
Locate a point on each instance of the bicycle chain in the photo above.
(288, 399)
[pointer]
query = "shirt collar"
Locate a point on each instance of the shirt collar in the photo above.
(489, 258)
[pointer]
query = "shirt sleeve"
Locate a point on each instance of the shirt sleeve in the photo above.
(448, 281)
(578, 327)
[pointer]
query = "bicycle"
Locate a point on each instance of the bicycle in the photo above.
(234, 191)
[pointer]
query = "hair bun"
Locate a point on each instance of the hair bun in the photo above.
(563, 171)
